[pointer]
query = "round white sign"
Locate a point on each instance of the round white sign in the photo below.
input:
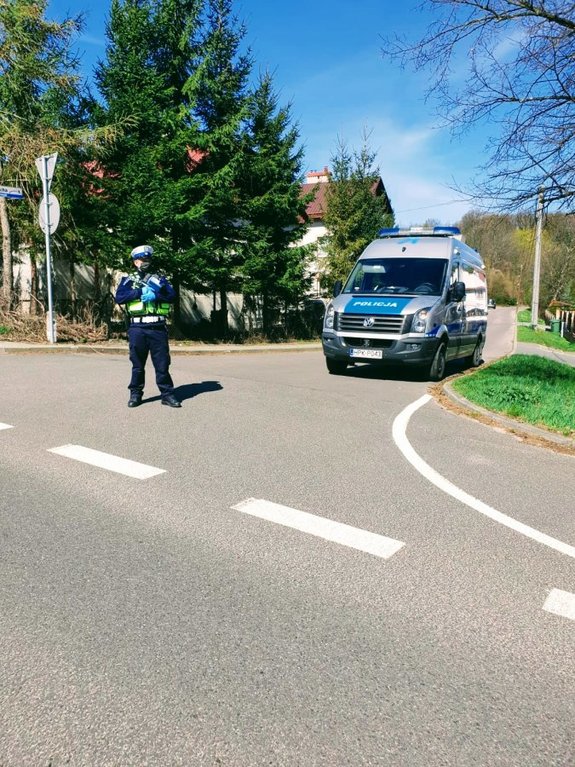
(53, 214)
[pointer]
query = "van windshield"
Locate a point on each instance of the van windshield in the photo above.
(416, 276)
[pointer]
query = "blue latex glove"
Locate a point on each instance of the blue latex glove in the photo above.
(148, 294)
(154, 284)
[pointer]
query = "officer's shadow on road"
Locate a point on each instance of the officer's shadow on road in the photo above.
(188, 391)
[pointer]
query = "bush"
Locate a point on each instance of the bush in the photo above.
(15, 326)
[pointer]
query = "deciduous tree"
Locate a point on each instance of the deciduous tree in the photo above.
(37, 79)
(508, 65)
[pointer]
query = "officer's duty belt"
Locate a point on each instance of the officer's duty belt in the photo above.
(149, 318)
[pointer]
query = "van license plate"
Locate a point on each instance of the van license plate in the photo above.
(366, 354)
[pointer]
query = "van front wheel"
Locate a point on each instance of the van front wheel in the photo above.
(437, 368)
(477, 357)
(335, 367)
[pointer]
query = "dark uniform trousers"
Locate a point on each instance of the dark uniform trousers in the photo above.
(152, 339)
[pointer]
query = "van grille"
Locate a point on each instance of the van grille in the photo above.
(373, 343)
(382, 323)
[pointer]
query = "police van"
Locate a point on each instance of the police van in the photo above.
(416, 297)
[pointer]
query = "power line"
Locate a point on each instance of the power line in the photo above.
(437, 205)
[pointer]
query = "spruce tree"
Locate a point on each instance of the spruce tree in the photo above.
(273, 266)
(354, 212)
(146, 186)
(218, 89)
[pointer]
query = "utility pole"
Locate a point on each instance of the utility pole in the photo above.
(537, 261)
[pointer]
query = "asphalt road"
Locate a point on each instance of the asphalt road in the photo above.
(154, 622)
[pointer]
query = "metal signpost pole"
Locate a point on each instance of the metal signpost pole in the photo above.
(49, 217)
(46, 191)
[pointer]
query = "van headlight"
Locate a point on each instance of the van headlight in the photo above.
(329, 316)
(419, 322)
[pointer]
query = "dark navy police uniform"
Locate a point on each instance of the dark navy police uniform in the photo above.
(147, 298)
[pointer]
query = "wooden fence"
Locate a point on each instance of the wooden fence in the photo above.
(568, 325)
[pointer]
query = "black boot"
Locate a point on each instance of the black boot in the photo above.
(135, 399)
(171, 401)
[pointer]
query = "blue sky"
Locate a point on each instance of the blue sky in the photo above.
(326, 62)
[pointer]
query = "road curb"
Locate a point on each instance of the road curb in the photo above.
(15, 347)
(446, 396)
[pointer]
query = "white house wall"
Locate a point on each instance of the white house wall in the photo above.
(311, 237)
(78, 282)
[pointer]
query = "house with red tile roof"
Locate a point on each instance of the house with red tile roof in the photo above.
(317, 183)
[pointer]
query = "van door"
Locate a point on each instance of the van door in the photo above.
(474, 308)
(454, 314)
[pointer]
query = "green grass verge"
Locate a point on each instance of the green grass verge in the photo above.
(532, 389)
(543, 338)
(524, 315)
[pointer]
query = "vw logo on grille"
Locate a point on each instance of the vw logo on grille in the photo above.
(368, 322)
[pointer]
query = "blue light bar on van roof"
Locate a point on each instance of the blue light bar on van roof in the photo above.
(396, 231)
(446, 230)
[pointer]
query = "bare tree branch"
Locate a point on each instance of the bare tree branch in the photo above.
(509, 64)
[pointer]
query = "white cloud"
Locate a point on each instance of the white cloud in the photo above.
(417, 172)
(508, 45)
(99, 42)
(415, 199)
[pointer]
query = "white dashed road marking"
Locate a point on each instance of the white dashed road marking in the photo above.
(561, 603)
(5, 426)
(107, 461)
(354, 537)
(399, 429)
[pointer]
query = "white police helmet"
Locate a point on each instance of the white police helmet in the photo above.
(142, 251)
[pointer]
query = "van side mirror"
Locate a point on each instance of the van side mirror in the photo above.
(458, 291)
(337, 288)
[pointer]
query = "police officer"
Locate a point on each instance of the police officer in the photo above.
(147, 298)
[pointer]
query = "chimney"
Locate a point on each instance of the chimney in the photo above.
(318, 176)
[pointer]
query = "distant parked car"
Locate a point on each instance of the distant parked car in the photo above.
(491, 304)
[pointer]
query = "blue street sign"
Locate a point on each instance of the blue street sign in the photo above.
(11, 192)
